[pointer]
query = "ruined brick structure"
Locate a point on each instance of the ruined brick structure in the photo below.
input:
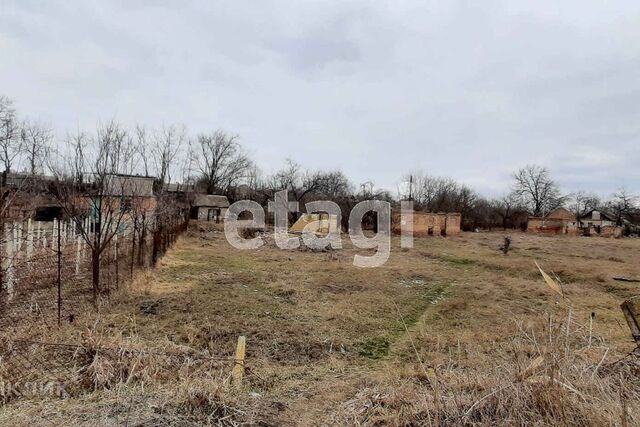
(562, 221)
(558, 221)
(429, 223)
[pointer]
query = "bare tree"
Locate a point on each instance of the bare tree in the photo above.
(287, 178)
(505, 207)
(537, 190)
(167, 143)
(334, 184)
(581, 203)
(10, 142)
(220, 161)
(434, 194)
(99, 195)
(259, 187)
(622, 205)
(368, 191)
(142, 147)
(483, 214)
(77, 144)
(186, 166)
(254, 183)
(296, 182)
(35, 141)
(464, 201)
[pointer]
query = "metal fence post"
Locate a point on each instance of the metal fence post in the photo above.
(59, 278)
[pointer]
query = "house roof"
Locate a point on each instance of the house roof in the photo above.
(128, 185)
(630, 224)
(211, 200)
(603, 215)
(17, 179)
(178, 187)
(561, 213)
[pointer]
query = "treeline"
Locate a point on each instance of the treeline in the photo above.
(216, 163)
(533, 192)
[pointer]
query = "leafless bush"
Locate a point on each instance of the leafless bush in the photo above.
(554, 375)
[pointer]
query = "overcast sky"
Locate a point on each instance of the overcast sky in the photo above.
(467, 89)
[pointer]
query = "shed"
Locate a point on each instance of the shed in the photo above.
(209, 207)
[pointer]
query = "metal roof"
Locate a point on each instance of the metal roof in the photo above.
(211, 200)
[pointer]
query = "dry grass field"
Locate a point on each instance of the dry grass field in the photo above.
(451, 332)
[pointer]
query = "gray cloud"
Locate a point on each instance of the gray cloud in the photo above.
(464, 89)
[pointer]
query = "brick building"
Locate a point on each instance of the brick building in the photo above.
(558, 221)
(429, 223)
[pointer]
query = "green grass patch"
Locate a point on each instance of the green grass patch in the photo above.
(430, 294)
(374, 348)
(411, 310)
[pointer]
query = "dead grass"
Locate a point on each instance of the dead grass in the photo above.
(442, 334)
(545, 376)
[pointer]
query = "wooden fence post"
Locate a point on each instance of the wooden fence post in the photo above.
(78, 252)
(59, 277)
(29, 239)
(238, 367)
(38, 233)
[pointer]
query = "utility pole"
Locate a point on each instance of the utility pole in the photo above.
(410, 187)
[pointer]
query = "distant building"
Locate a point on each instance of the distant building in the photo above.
(33, 196)
(558, 221)
(631, 228)
(209, 207)
(29, 196)
(596, 219)
(22, 181)
(129, 191)
(563, 221)
(179, 188)
(599, 223)
(428, 223)
(128, 185)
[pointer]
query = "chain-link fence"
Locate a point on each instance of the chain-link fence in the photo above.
(47, 279)
(57, 372)
(71, 369)
(48, 272)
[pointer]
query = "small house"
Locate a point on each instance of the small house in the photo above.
(596, 219)
(209, 207)
(130, 192)
(558, 221)
(600, 223)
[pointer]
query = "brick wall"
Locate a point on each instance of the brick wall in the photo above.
(453, 223)
(547, 226)
(426, 223)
